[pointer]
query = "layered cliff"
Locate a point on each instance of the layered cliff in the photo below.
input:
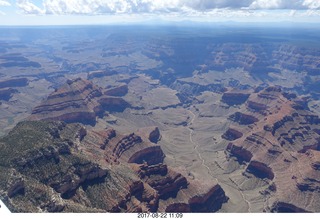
(15, 82)
(77, 101)
(6, 93)
(58, 167)
(278, 142)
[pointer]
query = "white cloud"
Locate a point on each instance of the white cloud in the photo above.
(265, 4)
(281, 4)
(110, 6)
(4, 3)
(312, 4)
(162, 7)
(28, 7)
(292, 13)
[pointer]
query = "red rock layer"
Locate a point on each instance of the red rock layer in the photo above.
(77, 101)
(280, 146)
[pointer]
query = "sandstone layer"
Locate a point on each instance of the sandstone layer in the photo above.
(281, 145)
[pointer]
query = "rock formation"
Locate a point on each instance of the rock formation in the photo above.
(280, 144)
(61, 167)
(6, 93)
(119, 91)
(235, 98)
(77, 101)
(100, 74)
(232, 134)
(16, 82)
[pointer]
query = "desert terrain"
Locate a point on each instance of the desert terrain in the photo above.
(206, 119)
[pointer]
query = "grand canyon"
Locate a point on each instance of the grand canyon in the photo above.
(173, 118)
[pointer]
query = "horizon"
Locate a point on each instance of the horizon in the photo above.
(103, 12)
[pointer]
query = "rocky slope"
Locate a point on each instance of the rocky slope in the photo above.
(264, 58)
(6, 93)
(77, 101)
(277, 140)
(16, 82)
(57, 167)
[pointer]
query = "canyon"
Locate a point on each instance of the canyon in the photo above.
(177, 119)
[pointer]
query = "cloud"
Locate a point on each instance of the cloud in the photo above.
(203, 5)
(312, 4)
(4, 3)
(110, 6)
(183, 7)
(281, 4)
(265, 4)
(28, 8)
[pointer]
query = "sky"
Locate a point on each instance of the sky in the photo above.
(70, 12)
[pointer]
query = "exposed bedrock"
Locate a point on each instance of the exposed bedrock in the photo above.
(273, 89)
(282, 207)
(151, 155)
(281, 123)
(297, 59)
(115, 104)
(188, 89)
(151, 133)
(120, 91)
(232, 134)
(55, 173)
(6, 93)
(100, 74)
(81, 133)
(300, 104)
(259, 107)
(239, 152)
(168, 186)
(146, 170)
(308, 184)
(234, 98)
(154, 135)
(16, 82)
(77, 101)
(315, 146)
(243, 119)
(86, 118)
(316, 165)
(255, 139)
(256, 58)
(126, 143)
(260, 170)
(270, 93)
(312, 119)
(208, 202)
(109, 134)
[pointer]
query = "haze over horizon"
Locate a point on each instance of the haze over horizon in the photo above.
(72, 12)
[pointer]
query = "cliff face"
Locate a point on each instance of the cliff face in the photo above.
(6, 93)
(58, 167)
(261, 58)
(77, 101)
(18, 82)
(117, 91)
(235, 98)
(278, 142)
